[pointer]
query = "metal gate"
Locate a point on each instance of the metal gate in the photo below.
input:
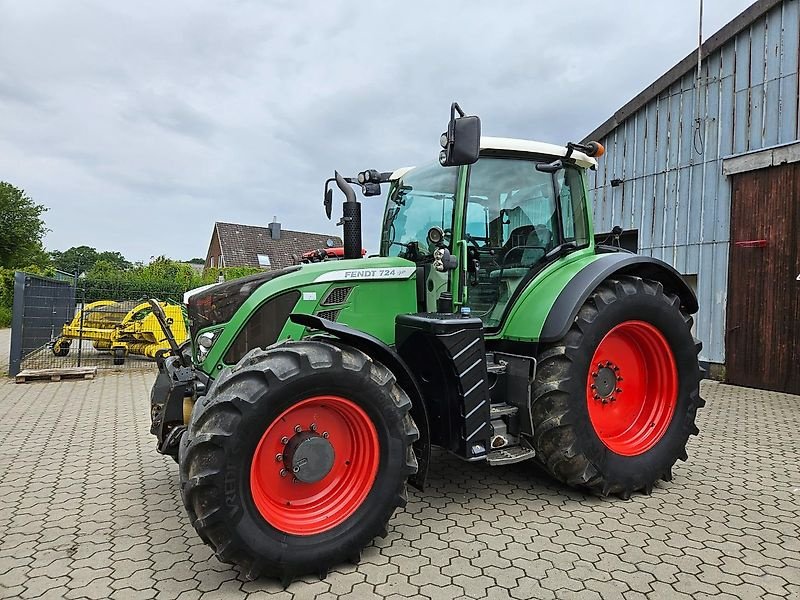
(41, 308)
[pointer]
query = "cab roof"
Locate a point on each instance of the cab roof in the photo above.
(528, 146)
(522, 146)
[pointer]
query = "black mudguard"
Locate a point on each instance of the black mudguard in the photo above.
(386, 355)
(575, 293)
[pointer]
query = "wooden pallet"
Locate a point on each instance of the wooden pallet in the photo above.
(56, 374)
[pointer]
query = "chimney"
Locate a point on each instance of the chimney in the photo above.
(275, 229)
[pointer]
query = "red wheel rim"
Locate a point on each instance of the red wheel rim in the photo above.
(302, 508)
(632, 388)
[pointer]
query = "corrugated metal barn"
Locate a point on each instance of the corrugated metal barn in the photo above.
(703, 171)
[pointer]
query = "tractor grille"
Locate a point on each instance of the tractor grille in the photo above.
(336, 296)
(331, 315)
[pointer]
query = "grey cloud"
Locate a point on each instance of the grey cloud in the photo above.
(190, 112)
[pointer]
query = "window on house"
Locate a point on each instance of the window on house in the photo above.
(263, 260)
(211, 261)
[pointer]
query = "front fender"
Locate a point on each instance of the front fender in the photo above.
(387, 356)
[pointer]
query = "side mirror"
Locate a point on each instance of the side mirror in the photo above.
(461, 143)
(551, 167)
(328, 202)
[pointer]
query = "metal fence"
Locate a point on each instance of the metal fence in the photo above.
(62, 324)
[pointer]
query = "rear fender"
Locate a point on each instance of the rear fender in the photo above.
(580, 287)
(387, 356)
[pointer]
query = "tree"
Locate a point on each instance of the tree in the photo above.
(21, 228)
(83, 258)
(77, 258)
(114, 258)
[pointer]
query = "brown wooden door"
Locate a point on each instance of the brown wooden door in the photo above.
(762, 341)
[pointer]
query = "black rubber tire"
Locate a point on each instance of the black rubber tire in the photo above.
(226, 425)
(118, 356)
(61, 347)
(566, 443)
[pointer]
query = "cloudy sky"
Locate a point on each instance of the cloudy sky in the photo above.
(140, 124)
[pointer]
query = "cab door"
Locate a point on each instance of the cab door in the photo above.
(515, 217)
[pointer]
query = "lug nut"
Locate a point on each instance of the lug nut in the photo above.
(297, 429)
(295, 469)
(284, 472)
(325, 434)
(618, 390)
(278, 457)
(593, 386)
(313, 427)
(619, 378)
(295, 480)
(284, 440)
(616, 368)
(595, 373)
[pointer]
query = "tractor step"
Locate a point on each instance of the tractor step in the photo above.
(507, 456)
(501, 410)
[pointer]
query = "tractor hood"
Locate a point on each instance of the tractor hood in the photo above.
(369, 292)
(216, 303)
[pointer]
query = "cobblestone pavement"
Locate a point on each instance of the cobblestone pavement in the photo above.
(89, 510)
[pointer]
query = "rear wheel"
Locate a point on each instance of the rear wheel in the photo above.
(297, 458)
(615, 400)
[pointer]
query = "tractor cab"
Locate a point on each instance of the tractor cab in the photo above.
(520, 206)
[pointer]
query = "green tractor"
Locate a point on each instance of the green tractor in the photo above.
(490, 325)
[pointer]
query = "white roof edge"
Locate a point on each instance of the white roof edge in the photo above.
(516, 145)
(398, 173)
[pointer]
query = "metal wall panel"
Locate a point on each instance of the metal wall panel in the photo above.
(669, 155)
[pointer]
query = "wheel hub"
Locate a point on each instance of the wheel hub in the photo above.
(605, 382)
(309, 457)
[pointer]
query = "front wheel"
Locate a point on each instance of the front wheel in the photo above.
(297, 458)
(615, 400)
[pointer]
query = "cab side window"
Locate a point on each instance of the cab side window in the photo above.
(572, 201)
(511, 223)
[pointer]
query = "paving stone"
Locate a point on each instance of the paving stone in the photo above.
(92, 511)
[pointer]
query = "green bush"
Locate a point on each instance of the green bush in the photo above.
(163, 278)
(5, 318)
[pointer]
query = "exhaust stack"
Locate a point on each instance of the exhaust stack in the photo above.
(351, 219)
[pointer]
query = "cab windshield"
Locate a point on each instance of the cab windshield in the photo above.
(422, 199)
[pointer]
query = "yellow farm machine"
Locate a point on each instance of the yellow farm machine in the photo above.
(122, 328)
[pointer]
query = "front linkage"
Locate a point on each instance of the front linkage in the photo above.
(176, 387)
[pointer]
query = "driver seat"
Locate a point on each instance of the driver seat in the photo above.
(540, 237)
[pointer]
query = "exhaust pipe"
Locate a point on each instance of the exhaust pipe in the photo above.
(351, 219)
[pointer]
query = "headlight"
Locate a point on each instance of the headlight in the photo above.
(205, 341)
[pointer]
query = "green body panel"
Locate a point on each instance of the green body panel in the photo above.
(370, 307)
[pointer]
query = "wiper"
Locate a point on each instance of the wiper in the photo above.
(561, 250)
